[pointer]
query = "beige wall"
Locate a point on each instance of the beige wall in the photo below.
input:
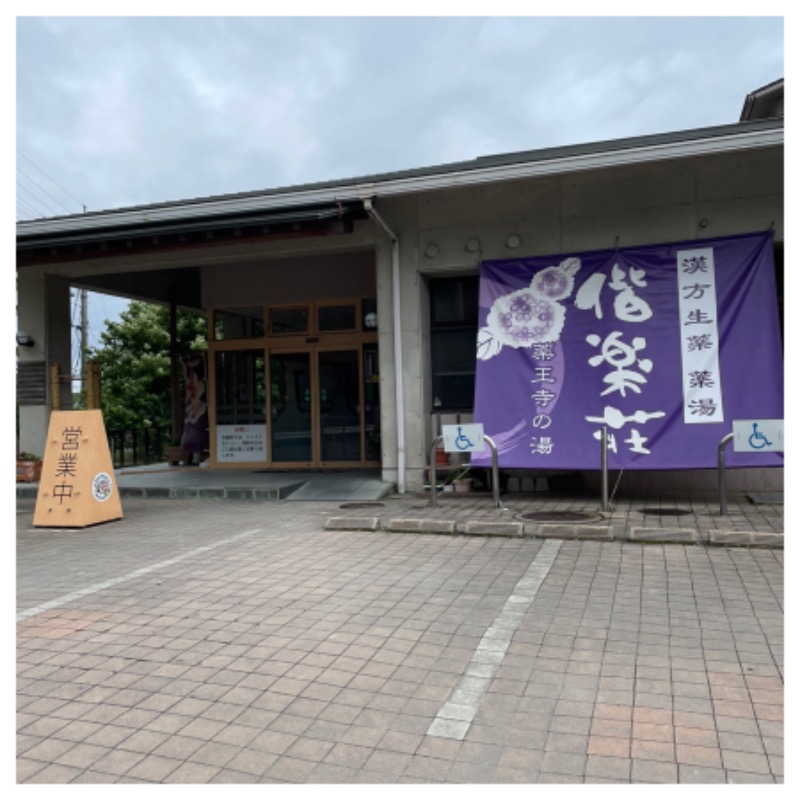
(285, 280)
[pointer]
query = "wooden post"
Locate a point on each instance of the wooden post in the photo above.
(92, 382)
(176, 401)
(55, 388)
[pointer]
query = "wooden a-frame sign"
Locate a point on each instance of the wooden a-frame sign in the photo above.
(78, 486)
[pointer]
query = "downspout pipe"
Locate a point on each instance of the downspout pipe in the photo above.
(398, 347)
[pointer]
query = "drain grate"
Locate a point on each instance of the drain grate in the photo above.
(666, 512)
(558, 516)
(361, 505)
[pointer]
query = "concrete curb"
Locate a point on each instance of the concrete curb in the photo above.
(178, 493)
(421, 526)
(481, 528)
(664, 535)
(353, 524)
(745, 538)
(603, 533)
(576, 532)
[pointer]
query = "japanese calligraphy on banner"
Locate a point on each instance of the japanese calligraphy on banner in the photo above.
(697, 296)
(77, 487)
(664, 345)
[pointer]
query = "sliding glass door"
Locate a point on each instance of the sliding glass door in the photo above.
(290, 407)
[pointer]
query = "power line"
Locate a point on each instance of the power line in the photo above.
(27, 209)
(40, 187)
(81, 204)
(34, 199)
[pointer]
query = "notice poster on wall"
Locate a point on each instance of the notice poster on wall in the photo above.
(241, 443)
(662, 345)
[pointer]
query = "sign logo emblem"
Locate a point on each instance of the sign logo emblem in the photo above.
(102, 486)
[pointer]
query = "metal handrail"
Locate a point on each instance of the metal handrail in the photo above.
(495, 471)
(604, 469)
(723, 504)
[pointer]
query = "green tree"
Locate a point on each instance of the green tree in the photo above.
(135, 365)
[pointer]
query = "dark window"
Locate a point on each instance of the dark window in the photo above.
(454, 330)
(288, 320)
(336, 318)
(240, 383)
(238, 323)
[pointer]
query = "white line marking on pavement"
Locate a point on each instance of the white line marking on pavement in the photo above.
(98, 587)
(456, 715)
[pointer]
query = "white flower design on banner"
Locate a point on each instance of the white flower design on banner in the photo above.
(529, 316)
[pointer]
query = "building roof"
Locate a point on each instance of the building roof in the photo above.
(486, 169)
(764, 103)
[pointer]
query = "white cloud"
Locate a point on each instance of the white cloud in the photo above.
(134, 110)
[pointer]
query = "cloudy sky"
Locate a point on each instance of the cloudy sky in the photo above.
(119, 111)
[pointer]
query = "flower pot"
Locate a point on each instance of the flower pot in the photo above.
(174, 454)
(29, 471)
(462, 485)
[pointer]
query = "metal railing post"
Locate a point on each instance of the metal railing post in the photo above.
(723, 504)
(604, 469)
(432, 462)
(495, 472)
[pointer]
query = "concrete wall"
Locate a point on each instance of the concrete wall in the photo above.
(650, 204)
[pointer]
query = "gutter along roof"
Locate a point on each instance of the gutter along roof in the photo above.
(318, 201)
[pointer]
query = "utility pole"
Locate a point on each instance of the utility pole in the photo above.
(84, 329)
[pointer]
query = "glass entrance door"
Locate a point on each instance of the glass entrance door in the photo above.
(296, 386)
(290, 408)
(324, 407)
(339, 405)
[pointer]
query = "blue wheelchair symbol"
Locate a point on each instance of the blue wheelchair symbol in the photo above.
(757, 439)
(462, 441)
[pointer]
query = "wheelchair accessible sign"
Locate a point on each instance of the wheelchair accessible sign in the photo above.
(758, 435)
(463, 438)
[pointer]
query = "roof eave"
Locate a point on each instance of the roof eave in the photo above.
(642, 150)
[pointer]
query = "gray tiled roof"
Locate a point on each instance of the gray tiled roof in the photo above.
(482, 162)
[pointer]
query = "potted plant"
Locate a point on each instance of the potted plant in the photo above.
(29, 468)
(174, 450)
(460, 480)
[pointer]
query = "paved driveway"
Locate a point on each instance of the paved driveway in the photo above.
(219, 642)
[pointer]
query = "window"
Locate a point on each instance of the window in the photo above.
(288, 320)
(240, 384)
(238, 323)
(336, 318)
(454, 330)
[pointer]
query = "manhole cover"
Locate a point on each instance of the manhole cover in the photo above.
(360, 505)
(666, 512)
(558, 516)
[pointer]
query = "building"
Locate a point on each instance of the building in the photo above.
(343, 315)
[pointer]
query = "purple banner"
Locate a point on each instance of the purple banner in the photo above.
(664, 345)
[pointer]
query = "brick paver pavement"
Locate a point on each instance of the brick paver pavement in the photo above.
(219, 642)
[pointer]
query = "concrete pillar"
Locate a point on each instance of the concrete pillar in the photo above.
(383, 280)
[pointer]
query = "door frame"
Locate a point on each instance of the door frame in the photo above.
(312, 342)
(316, 461)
